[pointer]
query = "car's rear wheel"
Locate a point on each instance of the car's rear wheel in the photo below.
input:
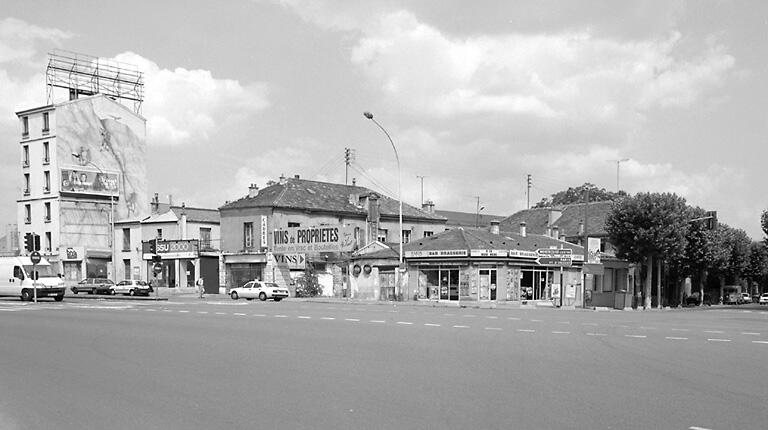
(111, 292)
(234, 295)
(26, 295)
(262, 296)
(131, 292)
(93, 291)
(74, 290)
(59, 298)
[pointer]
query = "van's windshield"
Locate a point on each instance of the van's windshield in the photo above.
(42, 271)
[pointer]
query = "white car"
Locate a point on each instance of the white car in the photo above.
(259, 290)
(132, 287)
(746, 298)
(764, 299)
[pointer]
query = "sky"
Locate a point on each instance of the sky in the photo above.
(475, 96)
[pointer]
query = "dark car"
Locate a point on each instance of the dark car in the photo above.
(93, 286)
(693, 300)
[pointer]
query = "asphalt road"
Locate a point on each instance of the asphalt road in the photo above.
(184, 364)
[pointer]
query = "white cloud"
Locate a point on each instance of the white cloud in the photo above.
(19, 40)
(184, 106)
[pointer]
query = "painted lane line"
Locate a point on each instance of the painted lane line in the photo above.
(183, 312)
(151, 310)
(405, 323)
(764, 342)
(680, 329)
(240, 314)
(525, 330)
(378, 321)
(431, 325)
(536, 320)
(351, 319)
(167, 310)
(469, 316)
(281, 316)
(647, 328)
(591, 324)
(221, 313)
(560, 332)
(450, 315)
(718, 340)
(492, 317)
(461, 326)
(304, 317)
(202, 312)
(714, 331)
(698, 428)
(513, 318)
(637, 336)
(596, 334)
(492, 328)
(749, 333)
(675, 338)
(258, 315)
(327, 318)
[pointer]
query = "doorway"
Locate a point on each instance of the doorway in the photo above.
(487, 284)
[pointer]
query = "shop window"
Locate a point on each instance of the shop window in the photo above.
(126, 239)
(247, 235)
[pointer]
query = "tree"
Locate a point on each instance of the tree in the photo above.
(702, 251)
(757, 269)
(308, 285)
(576, 195)
(764, 222)
(648, 226)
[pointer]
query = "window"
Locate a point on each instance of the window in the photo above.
(25, 159)
(27, 214)
(294, 224)
(126, 239)
(46, 123)
(48, 244)
(382, 236)
(47, 181)
(25, 126)
(205, 238)
(247, 235)
(159, 235)
(46, 153)
(428, 233)
(406, 236)
(26, 184)
(47, 211)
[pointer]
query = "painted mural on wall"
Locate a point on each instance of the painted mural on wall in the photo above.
(110, 143)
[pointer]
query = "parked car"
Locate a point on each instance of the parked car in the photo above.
(132, 287)
(93, 286)
(693, 300)
(746, 298)
(259, 290)
(763, 299)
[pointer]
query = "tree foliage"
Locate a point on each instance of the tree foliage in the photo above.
(576, 195)
(308, 285)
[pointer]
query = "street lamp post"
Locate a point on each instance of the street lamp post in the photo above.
(111, 215)
(618, 164)
(399, 198)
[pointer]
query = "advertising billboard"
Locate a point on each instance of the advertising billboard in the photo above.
(330, 238)
(83, 181)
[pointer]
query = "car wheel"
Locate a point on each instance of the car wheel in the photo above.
(74, 290)
(93, 291)
(131, 292)
(111, 292)
(262, 296)
(234, 295)
(59, 298)
(277, 299)
(26, 295)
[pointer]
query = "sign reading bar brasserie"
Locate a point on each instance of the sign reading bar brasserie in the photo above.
(436, 253)
(332, 238)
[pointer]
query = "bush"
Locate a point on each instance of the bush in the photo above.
(307, 285)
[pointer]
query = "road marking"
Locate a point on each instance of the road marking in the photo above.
(698, 428)
(151, 310)
(258, 315)
(492, 317)
(304, 317)
(592, 324)
(378, 321)
(525, 330)
(760, 341)
(167, 310)
(676, 338)
(513, 318)
(563, 322)
(596, 334)
(183, 312)
(714, 331)
(450, 315)
(405, 323)
(202, 312)
(281, 316)
(461, 326)
(680, 329)
(749, 333)
(718, 340)
(431, 325)
(638, 336)
(328, 318)
(536, 320)
(220, 313)
(239, 314)
(560, 332)
(492, 328)
(351, 319)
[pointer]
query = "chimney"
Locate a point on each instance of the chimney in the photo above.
(183, 221)
(562, 237)
(581, 228)
(549, 231)
(253, 190)
(494, 226)
(155, 204)
(296, 177)
(522, 228)
(555, 232)
(354, 181)
(428, 207)
(282, 179)
(170, 200)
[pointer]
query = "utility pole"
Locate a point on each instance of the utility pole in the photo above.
(422, 188)
(349, 155)
(528, 194)
(477, 214)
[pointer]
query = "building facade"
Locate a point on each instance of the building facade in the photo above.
(83, 166)
(275, 233)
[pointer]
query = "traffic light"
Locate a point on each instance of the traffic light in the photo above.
(28, 242)
(157, 259)
(36, 242)
(153, 246)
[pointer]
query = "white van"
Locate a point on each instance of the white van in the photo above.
(16, 279)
